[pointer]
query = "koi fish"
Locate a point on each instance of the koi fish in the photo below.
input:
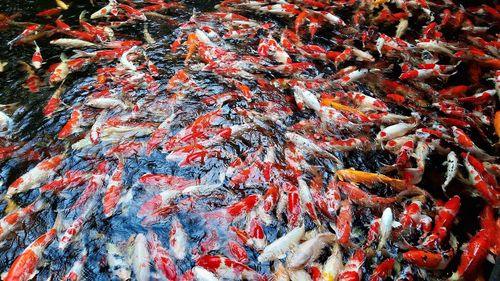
(49, 12)
(24, 266)
(12, 221)
(72, 43)
(75, 227)
(36, 175)
(310, 250)
(111, 8)
(178, 240)
(113, 190)
(451, 168)
(53, 102)
(383, 270)
(62, 5)
(474, 253)
(333, 265)
(429, 260)
(352, 269)
(37, 59)
(60, 72)
(162, 260)
(228, 268)
(281, 245)
(140, 258)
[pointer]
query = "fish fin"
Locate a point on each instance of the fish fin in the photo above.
(58, 223)
(387, 168)
(490, 258)
(396, 224)
(453, 242)
(82, 14)
(496, 146)
(63, 57)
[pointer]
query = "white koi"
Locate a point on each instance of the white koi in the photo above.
(201, 274)
(140, 258)
(282, 245)
(451, 169)
(310, 250)
(394, 131)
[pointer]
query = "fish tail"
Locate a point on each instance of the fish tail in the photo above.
(11, 205)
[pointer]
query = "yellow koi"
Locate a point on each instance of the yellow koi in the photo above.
(62, 5)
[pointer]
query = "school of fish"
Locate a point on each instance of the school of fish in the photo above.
(264, 140)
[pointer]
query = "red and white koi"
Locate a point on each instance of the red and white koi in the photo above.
(12, 220)
(383, 270)
(95, 183)
(443, 221)
(111, 8)
(124, 59)
(75, 227)
(34, 177)
(178, 239)
(352, 269)
(162, 260)
(201, 274)
(367, 103)
(36, 59)
(479, 98)
(30, 30)
(25, 265)
(158, 202)
(395, 131)
(306, 201)
(473, 255)
(69, 180)
(53, 103)
(304, 97)
(256, 234)
(60, 72)
(482, 181)
(467, 144)
(237, 251)
(113, 190)
(343, 225)
(227, 268)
